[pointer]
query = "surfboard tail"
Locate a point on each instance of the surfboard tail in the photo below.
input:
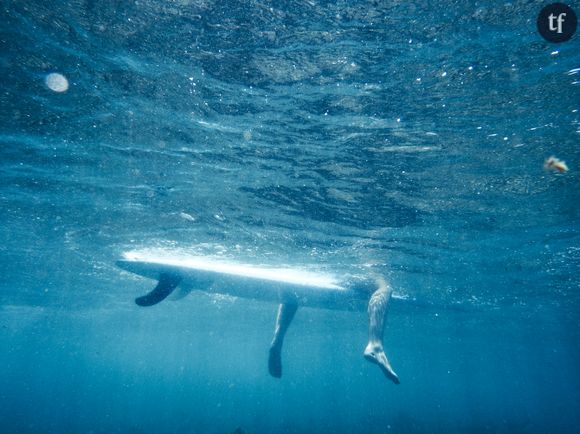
(166, 285)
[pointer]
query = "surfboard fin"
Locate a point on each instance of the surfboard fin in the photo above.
(167, 283)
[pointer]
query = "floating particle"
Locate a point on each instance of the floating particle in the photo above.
(247, 135)
(555, 164)
(187, 216)
(56, 82)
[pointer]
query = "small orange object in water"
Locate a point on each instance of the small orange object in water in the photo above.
(554, 163)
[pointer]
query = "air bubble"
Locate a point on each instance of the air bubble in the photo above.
(56, 82)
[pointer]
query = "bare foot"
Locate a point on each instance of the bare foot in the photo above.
(376, 354)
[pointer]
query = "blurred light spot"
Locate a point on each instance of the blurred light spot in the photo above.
(247, 135)
(56, 82)
(187, 216)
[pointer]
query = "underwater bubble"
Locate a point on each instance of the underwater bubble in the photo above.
(56, 82)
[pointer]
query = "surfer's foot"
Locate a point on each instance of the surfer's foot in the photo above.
(376, 354)
(275, 362)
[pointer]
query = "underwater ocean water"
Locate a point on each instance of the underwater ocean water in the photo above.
(405, 139)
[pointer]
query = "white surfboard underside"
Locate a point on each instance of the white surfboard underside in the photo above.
(278, 285)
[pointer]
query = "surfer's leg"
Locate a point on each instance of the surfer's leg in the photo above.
(286, 313)
(374, 352)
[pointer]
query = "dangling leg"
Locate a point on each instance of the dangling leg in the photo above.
(374, 351)
(286, 313)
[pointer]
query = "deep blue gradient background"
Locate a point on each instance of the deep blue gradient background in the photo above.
(348, 137)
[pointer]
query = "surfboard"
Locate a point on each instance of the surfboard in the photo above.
(279, 285)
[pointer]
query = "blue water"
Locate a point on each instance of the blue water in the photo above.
(344, 137)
